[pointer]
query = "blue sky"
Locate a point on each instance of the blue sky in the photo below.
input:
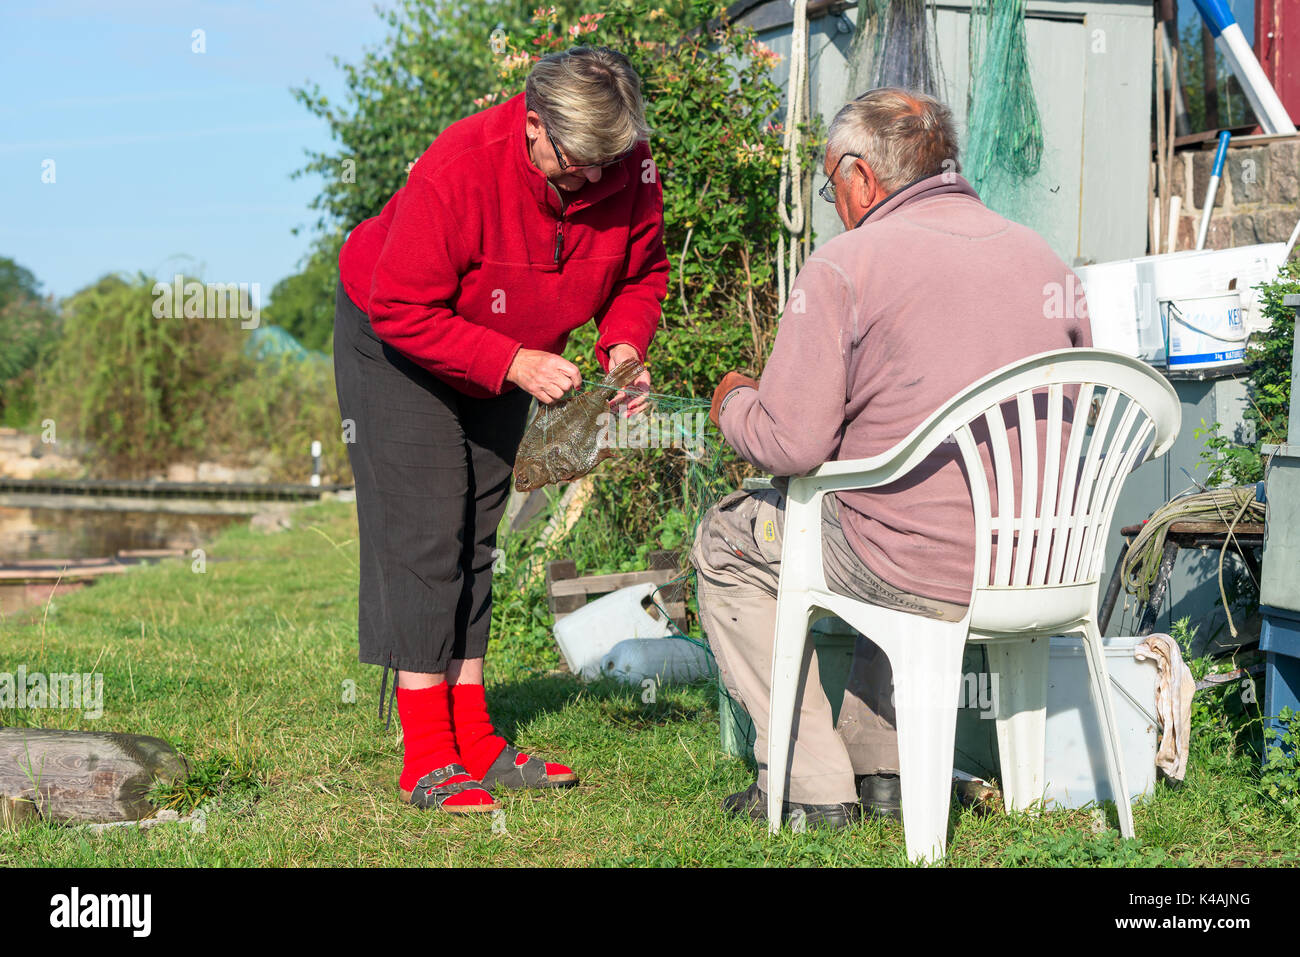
(165, 159)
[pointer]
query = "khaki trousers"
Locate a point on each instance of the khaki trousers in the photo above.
(737, 554)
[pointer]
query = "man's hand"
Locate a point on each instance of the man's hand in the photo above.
(543, 375)
(730, 381)
(617, 356)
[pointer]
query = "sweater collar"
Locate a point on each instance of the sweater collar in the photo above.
(925, 188)
(534, 180)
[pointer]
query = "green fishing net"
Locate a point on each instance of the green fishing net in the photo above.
(1004, 132)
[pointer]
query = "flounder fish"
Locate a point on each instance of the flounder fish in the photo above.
(562, 442)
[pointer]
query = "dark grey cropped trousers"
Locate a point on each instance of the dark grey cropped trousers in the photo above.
(432, 469)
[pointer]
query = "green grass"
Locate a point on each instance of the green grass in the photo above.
(243, 668)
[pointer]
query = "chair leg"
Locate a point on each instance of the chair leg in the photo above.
(1018, 670)
(1109, 726)
(927, 682)
(792, 616)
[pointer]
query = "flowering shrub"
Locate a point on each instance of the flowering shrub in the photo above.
(710, 100)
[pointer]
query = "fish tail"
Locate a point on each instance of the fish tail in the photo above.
(622, 375)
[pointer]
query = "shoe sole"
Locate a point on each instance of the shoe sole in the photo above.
(455, 809)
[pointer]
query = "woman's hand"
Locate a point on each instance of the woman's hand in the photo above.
(618, 355)
(543, 375)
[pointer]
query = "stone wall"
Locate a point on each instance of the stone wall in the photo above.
(1258, 199)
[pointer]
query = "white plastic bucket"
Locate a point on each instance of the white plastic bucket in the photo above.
(587, 635)
(661, 659)
(1204, 332)
(1076, 762)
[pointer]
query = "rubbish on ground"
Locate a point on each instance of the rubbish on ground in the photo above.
(563, 441)
(590, 632)
(975, 793)
(663, 659)
(1174, 690)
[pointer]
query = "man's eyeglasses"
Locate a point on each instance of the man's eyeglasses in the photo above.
(566, 166)
(827, 192)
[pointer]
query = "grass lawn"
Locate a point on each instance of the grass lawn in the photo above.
(243, 668)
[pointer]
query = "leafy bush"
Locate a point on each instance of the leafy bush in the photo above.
(28, 326)
(144, 391)
(1268, 387)
(1280, 781)
(710, 100)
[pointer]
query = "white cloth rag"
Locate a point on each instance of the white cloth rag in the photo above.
(1174, 689)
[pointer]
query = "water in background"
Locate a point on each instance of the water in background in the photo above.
(33, 533)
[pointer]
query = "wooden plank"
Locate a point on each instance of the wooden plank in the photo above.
(51, 575)
(85, 775)
(562, 571)
(676, 611)
(674, 596)
(600, 584)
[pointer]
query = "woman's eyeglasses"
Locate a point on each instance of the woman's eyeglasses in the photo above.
(566, 166)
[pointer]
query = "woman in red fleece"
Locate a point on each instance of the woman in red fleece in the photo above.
(516, 226)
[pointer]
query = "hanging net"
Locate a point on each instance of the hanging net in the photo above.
(1004, 142)
(894, 45)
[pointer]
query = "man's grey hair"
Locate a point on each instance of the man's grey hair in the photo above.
(589, 100)
(902, 135)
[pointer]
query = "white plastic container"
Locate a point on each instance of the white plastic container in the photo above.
(1125, 297)
(592, 631)
(665, 660)
(1076, 762)
(1205, 332)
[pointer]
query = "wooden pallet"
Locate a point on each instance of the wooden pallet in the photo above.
(567, 591)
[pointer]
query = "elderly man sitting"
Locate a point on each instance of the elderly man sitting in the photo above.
(927, 291)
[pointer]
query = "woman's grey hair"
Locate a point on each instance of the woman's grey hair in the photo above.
(589, 99)
(902, 135)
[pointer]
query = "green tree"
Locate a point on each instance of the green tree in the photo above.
(436, 59)
(139, 388)
(28, 326)
(16, 282)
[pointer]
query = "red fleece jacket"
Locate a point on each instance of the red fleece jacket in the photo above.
(475, 257)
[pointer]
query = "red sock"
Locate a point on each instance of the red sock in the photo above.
(476, 739)
(429, 743)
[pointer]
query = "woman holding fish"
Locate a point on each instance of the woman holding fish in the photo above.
(517, 225)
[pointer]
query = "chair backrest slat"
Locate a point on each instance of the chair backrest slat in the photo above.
(1087, 480)
(1116, 445)
(1006, 487)
(1051, 476)
(1135, 453)
(1069, 475)
(980, 500)
(1027, 426)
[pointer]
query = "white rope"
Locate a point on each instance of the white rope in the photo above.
(790, 198)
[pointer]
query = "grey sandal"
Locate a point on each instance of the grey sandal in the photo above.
(433, 791)
(515, 770)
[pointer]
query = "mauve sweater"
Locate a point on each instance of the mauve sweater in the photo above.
(885, 324)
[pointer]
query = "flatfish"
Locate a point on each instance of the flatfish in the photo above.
(562, 443)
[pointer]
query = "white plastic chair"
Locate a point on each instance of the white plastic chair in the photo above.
(1046, 585)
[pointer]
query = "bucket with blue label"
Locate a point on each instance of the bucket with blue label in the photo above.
(1204, 332)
